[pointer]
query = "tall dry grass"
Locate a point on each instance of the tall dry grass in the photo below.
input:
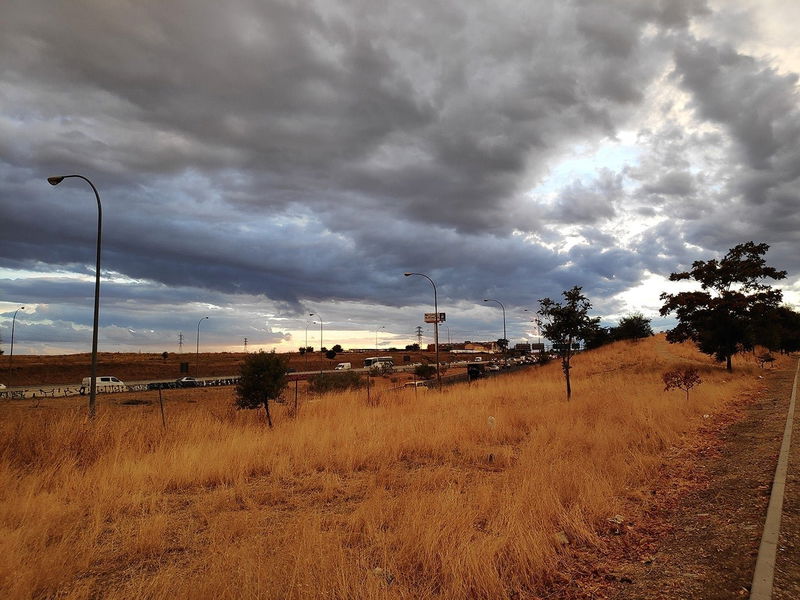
(421, 496)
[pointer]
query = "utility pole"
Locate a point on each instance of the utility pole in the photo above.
(180, 342)
(419, 335)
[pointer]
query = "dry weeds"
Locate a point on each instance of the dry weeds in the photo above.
(419, 496)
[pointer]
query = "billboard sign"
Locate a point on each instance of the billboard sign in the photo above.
(431, 317)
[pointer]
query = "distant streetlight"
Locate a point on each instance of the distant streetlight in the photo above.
(538, 322)
(320, 327)
(11, 353)
(504, 316)
(448, 334)
(435, 326)
(93, 384)
(197, 349)
(305, 350)
(376, 336)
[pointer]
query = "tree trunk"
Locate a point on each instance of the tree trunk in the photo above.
(565, 366)
(266, 410)
(728, 364)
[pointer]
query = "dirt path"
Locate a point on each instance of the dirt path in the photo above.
(700, 539)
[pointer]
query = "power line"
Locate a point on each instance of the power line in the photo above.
(180, 342)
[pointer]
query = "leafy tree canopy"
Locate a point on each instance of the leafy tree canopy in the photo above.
(632, 327)
(719, 317)
(263, 377)
(566, 323)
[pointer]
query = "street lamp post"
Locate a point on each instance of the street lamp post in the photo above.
(305, 349)
(197, 348)
(376, 336)
(93, 384)
(435, 326)
(11, 352)
(504, 317)
(538, 322)
(320, 327)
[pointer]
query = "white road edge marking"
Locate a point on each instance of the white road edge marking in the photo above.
(765, 564)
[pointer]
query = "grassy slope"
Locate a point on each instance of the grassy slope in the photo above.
(441, 499)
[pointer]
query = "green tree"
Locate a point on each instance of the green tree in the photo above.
(565, 324)
(424, 371)
(598, 336)
(322, 383)
(632, 327)
(337, 348)
(789, 328)
(719, 316)
(263, 377)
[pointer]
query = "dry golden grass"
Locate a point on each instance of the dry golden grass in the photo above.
(418, 497)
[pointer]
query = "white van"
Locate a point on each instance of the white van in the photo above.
(343, 367)
(103, 384)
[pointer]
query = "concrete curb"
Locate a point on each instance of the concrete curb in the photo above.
(765, 564)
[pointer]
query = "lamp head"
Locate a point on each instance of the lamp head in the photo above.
(408, 274)
(486, 300)
(55, 180)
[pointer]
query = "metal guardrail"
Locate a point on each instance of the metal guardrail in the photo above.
(79, 390)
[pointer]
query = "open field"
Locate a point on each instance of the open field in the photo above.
(130, 366)
(493, 490)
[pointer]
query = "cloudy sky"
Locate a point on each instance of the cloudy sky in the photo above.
(260, 160)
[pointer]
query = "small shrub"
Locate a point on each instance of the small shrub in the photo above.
(381, 370)
(425, 371)
(322, 383)
(681, 379)
(263, 377)
(765, 359)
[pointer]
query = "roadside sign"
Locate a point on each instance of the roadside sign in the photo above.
(431, 317)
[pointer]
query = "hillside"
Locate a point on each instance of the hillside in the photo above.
(494, 490)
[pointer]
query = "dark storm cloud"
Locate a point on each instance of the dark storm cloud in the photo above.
(307, 154)
(758, 108)
(423, 110)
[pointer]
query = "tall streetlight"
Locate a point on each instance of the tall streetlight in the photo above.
(504, 316)
(305, 349)
(435, 326)
(448, 334)
(320, 328)
(538, 322)
(376, 336)
(93, 384)
(197, 349)
(11, 353)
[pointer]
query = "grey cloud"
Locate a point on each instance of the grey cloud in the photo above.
(273, 157)
(579, 203)
(673, 183)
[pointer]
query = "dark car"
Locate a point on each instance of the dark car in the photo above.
(187, 382)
